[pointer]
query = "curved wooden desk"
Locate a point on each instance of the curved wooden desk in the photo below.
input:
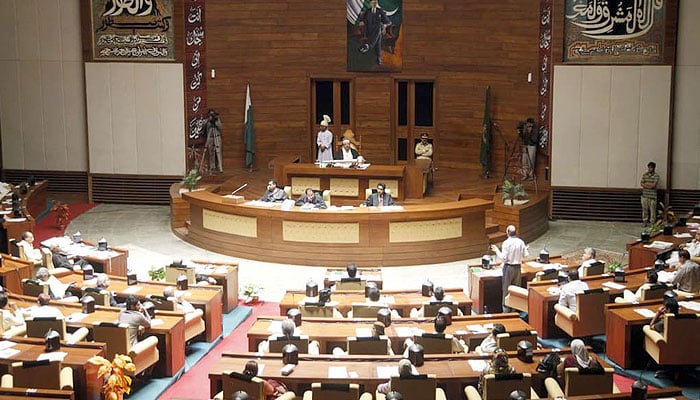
(416, 234)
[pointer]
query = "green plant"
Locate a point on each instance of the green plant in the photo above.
(250, 292)
(190, 180)
(613, 266)
(512, 191)
(157, 274)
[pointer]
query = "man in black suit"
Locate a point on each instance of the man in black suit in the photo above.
(312, 198)
(346, 152)
(380, 198)
(374, 21)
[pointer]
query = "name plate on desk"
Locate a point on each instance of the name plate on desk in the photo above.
(233, 199)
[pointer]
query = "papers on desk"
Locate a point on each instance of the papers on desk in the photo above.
(132, 289)
(553, 290)
(491, 272)
(535, 264)
(363, 332)
(76, 317)
(387, 300)
(221, 270)
(266, 204)
(275, 327)
(404, 331)
(14, 219)
(685, 235)
(53, 356)
(613, 285)
(658, 244)
(6, 344)
(341, 208)
(337, 372)
(156, 322)
(386, 371)
(8, 353)
(690, 305)
(644, 312)
(477, 365)
(5, 212)
(477, 328)
(387, 208)
(665, 276)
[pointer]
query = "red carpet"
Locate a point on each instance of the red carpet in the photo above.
(195, 382)
(46, 227)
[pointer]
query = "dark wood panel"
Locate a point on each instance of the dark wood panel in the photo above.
(464, 46)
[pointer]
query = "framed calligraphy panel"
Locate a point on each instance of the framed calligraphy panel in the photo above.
(614, 32)
(132, 30)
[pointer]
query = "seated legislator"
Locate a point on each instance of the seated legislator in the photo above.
(11, 314)
(587, 259)
(43, 309)
(406, 369)
(499, 365)
(136, 317)
(380, 198)
(272, 389)
(57, 289)
(670, 306)
(373, 297)
(438, 298)
(288, 333)
(693, 247)
(440, 324)
(181, 304)
(579, 358)
(274, 193)
(687, 278)
(103, 283)
(60, 260)
(346, 152)
(488, 345)
(424, 149)
(630, 297)
(311, 199)
(378, 333)
(567, 295)
(27, 243)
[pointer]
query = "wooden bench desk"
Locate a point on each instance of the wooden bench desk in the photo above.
(403, 300)
(226, 276)
(453, 372)
(208, 298)
(623, 330)
(485, 285)
(642, 256)
(541, 301)
(332, 333)
(85, 382)
(170, 330)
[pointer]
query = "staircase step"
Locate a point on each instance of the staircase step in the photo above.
(492, 228)
(496, 237)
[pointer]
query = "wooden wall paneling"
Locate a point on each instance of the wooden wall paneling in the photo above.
(466, 45)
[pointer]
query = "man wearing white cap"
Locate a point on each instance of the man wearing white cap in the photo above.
(346, 152)
(324, 140)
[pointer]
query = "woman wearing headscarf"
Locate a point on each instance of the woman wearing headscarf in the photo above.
(499, 366)
(579, 358)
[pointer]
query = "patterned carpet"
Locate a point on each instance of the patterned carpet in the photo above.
(607, 256)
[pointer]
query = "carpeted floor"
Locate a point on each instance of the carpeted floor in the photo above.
(195, 382)
(46, 226)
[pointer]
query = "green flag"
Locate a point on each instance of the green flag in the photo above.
(249, 132)
(485, 156)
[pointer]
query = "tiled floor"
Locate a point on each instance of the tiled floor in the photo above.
(145, 231)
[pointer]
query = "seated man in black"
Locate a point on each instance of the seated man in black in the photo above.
(440, 324)
(60, 260)
(273, 193)
(311, 198)
(380, 198)
(670, 306)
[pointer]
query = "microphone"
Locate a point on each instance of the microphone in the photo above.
(237, 190)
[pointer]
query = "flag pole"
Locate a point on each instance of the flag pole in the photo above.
(249, 131)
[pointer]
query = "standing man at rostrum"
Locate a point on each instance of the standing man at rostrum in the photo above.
(512, 252)
(650, 180)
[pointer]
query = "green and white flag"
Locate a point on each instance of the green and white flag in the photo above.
(249, 130)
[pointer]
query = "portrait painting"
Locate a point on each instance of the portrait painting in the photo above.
(133, 30)
(614, 32)
(374, 35)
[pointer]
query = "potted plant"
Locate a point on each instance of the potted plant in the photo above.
(512, 191)
(114, 373)
(251, 293)
(613, 266)
(156, 273)
(190, 180)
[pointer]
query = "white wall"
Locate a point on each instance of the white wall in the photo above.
(608, 122)
(686, 122)
(42, 106)
(136, 120)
